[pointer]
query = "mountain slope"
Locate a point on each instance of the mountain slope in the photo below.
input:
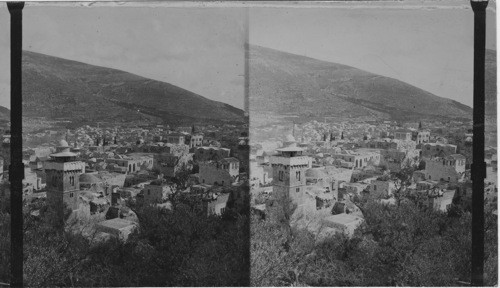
(58, 88)
(4, 115)
(288, 84)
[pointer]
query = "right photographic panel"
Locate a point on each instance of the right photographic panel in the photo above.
(362, 139)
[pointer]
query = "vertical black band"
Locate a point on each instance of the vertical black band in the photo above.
(478, 167)
(16, 170)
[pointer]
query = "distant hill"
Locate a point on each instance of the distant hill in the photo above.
(57, 88)
(287, 84)
(4, 114)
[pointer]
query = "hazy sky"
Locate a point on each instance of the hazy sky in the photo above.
(428, 48)
(198, 49)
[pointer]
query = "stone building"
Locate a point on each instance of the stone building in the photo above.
(354, 188)
(169, 164)
(63, 174)
(319, 177)
(258, 175)
(117, 227)
(176, 138)
(441, 200)
(223, 172)
(430, 150)
(133, 162)
(380, 188)
(421, 136)
(156, 192)
(343, 223)
(289, 168)
(403, 135)
(218, 205)
(450, 168)
(358, 159)
(195, 140)
(211, 153)
(31, 182)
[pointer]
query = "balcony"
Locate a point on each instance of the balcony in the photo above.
(290, 161)
(64, 166)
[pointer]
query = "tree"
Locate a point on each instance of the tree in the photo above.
(5, 238)
(182, 175)
(171, 248)
(402, 180)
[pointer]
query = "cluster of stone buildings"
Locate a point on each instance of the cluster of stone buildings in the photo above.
(323, 175)
(96, 177)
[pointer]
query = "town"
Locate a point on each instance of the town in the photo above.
(96, 173)
(327, 168)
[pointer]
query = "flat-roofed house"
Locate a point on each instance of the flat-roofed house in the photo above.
(117, 227)
(343, 223)
(223, 172)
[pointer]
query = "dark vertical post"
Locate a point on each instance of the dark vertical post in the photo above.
(16, 170)
(478, 165)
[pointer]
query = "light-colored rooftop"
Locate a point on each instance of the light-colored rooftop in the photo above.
(290, 149)
(343, 218)
(117, 223)
(64, 154)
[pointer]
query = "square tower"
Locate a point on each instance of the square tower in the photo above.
(63, 184)
(289, 179)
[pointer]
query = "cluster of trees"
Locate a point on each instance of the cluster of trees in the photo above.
(4, 234)
(398, 245)
(171, 248)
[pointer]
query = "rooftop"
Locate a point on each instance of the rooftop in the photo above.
(457, 156)
(117, 223)
(229, 160)
(292, 148)
(343, 218)
(64, 154)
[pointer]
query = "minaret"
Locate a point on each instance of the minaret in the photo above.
(63, 172)
(289, 167)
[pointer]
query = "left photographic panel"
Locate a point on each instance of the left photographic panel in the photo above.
(135, 145)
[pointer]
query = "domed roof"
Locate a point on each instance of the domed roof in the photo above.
(315, 173)
(63, 143)
(89, 178)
